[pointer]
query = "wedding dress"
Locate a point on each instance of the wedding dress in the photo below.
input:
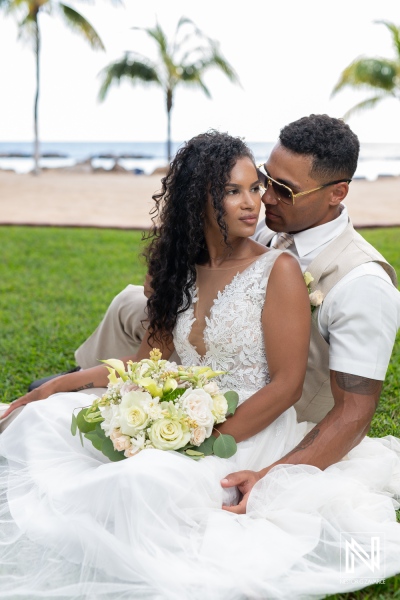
(75, 526)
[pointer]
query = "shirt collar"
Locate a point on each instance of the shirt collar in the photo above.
(309, 240)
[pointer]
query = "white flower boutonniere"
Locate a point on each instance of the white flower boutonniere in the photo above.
(317, 297)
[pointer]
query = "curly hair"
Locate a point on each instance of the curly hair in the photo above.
(333, 146)
(200, 168)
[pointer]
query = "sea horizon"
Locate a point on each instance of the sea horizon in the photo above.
(376, 159)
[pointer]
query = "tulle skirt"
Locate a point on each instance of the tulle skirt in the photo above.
(75, 526)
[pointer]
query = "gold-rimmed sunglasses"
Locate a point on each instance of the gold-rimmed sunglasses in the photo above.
(283, 192)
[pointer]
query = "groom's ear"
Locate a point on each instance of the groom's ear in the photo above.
(338, 193)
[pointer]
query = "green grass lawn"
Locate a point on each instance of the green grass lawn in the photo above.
(55, 285)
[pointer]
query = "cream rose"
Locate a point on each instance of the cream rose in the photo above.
(211, 388)
(220, 407)
(316, 298)
(168, 434)
(120, 442)
(198, 436)
(198, 405)
(133, 418)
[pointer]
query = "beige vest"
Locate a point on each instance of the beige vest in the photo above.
(343, 254)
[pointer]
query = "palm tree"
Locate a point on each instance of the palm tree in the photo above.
(182, 61)
(379, 75)
(27, 14)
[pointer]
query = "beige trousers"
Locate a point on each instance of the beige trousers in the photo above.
(119, 333)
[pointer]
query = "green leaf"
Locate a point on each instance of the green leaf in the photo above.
(80, 436)
(207, 446)
(173, 395)
(225, 446)
(74, 424)
(96, 440)
(233, 400)
(81, 422)
(100, 432)
(107, 449)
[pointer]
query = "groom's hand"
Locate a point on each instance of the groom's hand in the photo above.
(244, 481)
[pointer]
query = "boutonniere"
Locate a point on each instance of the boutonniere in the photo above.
(317, 297)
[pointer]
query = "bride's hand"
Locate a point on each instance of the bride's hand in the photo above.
(36, 394)
(244, 481)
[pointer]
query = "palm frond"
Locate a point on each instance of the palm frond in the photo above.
(368, 73)
(364, 105)
(27, 30)
(79, 24)
(192, 76)
(395, 31)
(134, 70)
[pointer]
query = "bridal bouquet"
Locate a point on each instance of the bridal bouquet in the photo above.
(158, 404)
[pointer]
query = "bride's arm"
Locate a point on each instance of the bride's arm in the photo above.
(82, 380)
(286, 324)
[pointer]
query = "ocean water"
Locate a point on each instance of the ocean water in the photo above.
(375, 159)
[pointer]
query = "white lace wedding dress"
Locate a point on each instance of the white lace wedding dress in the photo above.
(75, 526)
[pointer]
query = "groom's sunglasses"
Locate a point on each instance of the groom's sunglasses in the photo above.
(283, 192)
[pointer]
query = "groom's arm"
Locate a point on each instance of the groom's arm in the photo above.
(331, 439)
(356, 399)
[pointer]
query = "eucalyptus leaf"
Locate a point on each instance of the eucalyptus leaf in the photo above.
(100, 431)
(225, 446)
(82, 424)
(80, 436)
(107, 449)
(207, 446)
(96, 440)
(74, 424)
(233, 399)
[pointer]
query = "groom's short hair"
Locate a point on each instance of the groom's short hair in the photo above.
(330, 142)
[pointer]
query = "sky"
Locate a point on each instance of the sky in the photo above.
(288, 55)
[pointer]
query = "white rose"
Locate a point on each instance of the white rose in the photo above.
(197, 404)
(211, 388)
(220, 408)
(168, 434)
(133, 418)
(198, 436)
(316, 298)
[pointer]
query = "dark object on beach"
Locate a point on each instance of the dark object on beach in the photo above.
(118, 156)
(30, 155)
(138, 171)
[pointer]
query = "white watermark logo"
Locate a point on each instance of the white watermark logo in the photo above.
(362, 554)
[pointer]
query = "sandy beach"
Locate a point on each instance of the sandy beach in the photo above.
(119, 200)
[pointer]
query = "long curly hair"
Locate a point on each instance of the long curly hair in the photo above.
(200, 168)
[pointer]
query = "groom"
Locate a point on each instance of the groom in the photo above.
(353, 330)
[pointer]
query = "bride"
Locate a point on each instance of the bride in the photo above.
(74, 525)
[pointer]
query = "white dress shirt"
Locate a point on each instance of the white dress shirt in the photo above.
(360, 315)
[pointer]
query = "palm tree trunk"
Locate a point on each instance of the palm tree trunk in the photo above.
(169, 108)
(36, 153)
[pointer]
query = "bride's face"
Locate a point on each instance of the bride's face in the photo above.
(242, 201)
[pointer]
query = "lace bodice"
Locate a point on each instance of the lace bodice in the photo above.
(233, 335)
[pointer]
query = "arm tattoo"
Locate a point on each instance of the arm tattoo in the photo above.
(357, 384)
(87, 386)
(306, 442)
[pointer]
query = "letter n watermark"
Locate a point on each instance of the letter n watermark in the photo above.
(362, 557)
